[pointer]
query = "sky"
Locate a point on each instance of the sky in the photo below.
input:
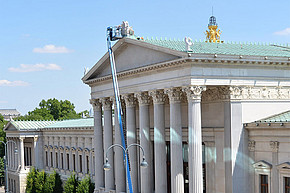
(46, 44)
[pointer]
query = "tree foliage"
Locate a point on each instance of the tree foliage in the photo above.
(86, 186)
(52, 109)
(30, 181)
(40, 181)
(53, 183)
(71, 184)
(2, 135)
(2, 167)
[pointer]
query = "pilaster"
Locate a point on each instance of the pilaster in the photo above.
(251, 147)
(275, 177)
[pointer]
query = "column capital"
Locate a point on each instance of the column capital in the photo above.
(158, 96)
(251, 145)
(274, 146)
(96, 103)
(209, 143)
(143, 98)
(174, 94)
(130, 100)
(107, 103)
(21, 139)
(194, 92)
(35, 138)
(231, 92)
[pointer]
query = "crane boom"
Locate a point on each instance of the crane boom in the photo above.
(113, 34)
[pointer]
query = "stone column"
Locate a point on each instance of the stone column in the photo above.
(176, 157)
(21, 151)
(34, 153)
(145, 142)
(275, 177)
(194, 138)
(210, 160)
(251, 146)
(131, 137)
(120, 172)
(108, 141)
(235, 141)
(159, 98)
(98, 145)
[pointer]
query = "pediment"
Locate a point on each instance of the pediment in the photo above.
(10, 127)
(131, 54)
(262, 165)
(284, 166)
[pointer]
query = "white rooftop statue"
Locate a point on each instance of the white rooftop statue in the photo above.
(188, 42)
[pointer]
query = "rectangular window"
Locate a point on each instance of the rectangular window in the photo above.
(264, 183)
(46, 159)
(287, 184)
(56, 159)
(74, 162)
(81, 165)
(67, 161)
(61, 155)
(88, 164)
(51, 160)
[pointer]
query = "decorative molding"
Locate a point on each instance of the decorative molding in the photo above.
(158, 96)
(107, 103)
(130, 100)
(251, 145)
(194, 92)
(174, 94)
(96, 103)
(262, 165)
(274, 146)
(143, 98)
(284, 166)
(246, 93)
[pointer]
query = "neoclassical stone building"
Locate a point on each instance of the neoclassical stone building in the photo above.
(188, 106)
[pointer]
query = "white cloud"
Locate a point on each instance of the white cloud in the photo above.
(52, 49)
(3, 102)
(34, 67)
(13, 83)
(285, 32)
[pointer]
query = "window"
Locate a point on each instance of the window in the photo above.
(61, 158)
(287, 184)
(56, 159)
(74, 162)
(67, 161)
(51, 160)
(46, 159)
(81, 165)
(27, 156)
(88, 164)
(264, 183)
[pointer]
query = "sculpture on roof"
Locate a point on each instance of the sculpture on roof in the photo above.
(188, 42)
(213, 35)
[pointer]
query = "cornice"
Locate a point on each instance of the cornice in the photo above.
(210, 59)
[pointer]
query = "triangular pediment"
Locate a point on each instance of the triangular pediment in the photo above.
(262, 165)
(132, 54)
(10, 127)
(284, 166)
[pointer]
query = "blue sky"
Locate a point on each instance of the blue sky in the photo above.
(45, 44)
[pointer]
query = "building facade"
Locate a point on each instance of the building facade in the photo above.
(186, 103)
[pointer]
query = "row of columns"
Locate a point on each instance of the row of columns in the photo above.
(106, 180)
(14, 160)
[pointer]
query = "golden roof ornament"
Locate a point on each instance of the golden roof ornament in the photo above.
(213, 34)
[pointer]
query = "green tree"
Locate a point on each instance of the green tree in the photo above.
(86, 186)
(71, 184)
(2, 135)
(53, 183)
(2, 172)
(30, 181)
(40, 181)
(85, 113)
(52, 109)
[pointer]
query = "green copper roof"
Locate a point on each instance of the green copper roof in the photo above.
(228, 48)
(88, 122)
(31, 125)
(282, 117)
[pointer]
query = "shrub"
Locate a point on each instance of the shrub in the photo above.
(30, 181)
(86, 186)
(40, 182)
(71, 184)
